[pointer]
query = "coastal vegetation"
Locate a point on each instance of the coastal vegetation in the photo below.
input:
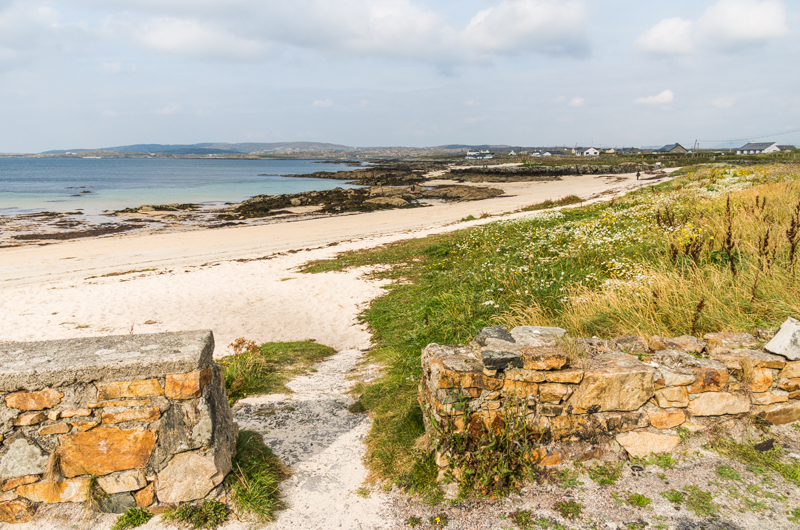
(713, 250)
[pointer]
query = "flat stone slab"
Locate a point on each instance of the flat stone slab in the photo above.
(54, 363)
(787, 341)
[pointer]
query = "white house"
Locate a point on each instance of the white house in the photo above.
(587, 151)
(756, 148)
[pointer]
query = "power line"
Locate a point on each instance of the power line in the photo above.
(752, 137)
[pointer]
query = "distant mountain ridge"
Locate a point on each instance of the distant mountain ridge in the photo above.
(217, 148)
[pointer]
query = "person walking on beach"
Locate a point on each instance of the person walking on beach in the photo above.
(637, 175)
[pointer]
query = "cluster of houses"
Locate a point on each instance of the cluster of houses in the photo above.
(752, 148)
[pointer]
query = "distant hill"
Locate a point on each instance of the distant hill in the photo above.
(217, 148)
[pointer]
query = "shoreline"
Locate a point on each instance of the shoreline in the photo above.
(239, 281)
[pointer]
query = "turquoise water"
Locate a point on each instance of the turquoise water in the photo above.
(55, 184)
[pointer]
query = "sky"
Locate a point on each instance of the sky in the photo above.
(100, 73)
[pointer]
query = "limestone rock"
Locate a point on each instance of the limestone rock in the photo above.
(617, 386)
(718, 403)
(676, 376)
(187, 386)
(769, 398)
(58, 428)
(73, 490)
(29, 418)
(128, 389)
(83, 425)
(782, 413)
(543, 358)
(790, 385)
(12, 483)
(43, 399)
(790, 371)
(632, 344)
(387, 201)
(762, 380)
(119, 503)
(7, 496)
(123, 481)
(140, 414)
(120, 403)
(685, 343)
(642, 444)
(625, 421)
(730, 341)
(519, 389)
(563, 376)
(672, 396)
(553, 392)
(188, 477)
(550, 410)
(528, 376)
(16, 511)
(104, 450)
(786, 341)
(733, 359)
(23, 458)
(709, 380)
(71, 413)
(500, 360)
(493, 332)
(536, 336)
(666, 419)
(145, 496)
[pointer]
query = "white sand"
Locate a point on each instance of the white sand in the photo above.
(214, 279)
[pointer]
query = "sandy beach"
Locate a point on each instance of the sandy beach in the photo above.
(238, 281)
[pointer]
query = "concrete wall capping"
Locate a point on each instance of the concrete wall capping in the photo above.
(52, 364)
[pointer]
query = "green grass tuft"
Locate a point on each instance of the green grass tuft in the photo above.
(132, 518)
(569, 509)
(257, 472)
(254, 369)
(208, 514)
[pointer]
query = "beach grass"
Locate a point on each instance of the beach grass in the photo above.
(257, 473)
(263, 369)
(713, 250)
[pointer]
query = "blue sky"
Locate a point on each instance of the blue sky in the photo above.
(95, 73)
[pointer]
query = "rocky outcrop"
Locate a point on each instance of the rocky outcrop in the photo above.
(145, 414)
(537, 173)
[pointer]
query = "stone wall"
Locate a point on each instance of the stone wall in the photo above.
(147, 415)
(591, 398)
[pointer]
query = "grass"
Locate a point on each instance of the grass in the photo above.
(674, 496)
(638, 500)
(569, 509)
(254, 369)
(700, 502)
(257, 472)
(546, 205)
(207, 514)
(605, 474)
(758, 461)
(728, 473)
(132, 518)
(681, 257)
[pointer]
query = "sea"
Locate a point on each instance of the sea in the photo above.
(93, 185)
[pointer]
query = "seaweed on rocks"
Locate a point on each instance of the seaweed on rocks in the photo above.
(538, 173)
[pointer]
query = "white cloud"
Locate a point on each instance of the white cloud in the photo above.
(169, 109)
(322, 103)
(663, 98)
(576, 102)
(515, 26)
(115, 67)
(26, 27)
(727, 26)
(730, 25)
(671, 36)
(724, 102)
(198, 39)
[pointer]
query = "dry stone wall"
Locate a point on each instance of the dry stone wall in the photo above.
(147, 415)
(628, 395)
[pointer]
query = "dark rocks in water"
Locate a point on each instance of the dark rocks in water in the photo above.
(76, 234)
(398, 174)
(339, 200)
(493, 332)
(174, 207)
(537, 173)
